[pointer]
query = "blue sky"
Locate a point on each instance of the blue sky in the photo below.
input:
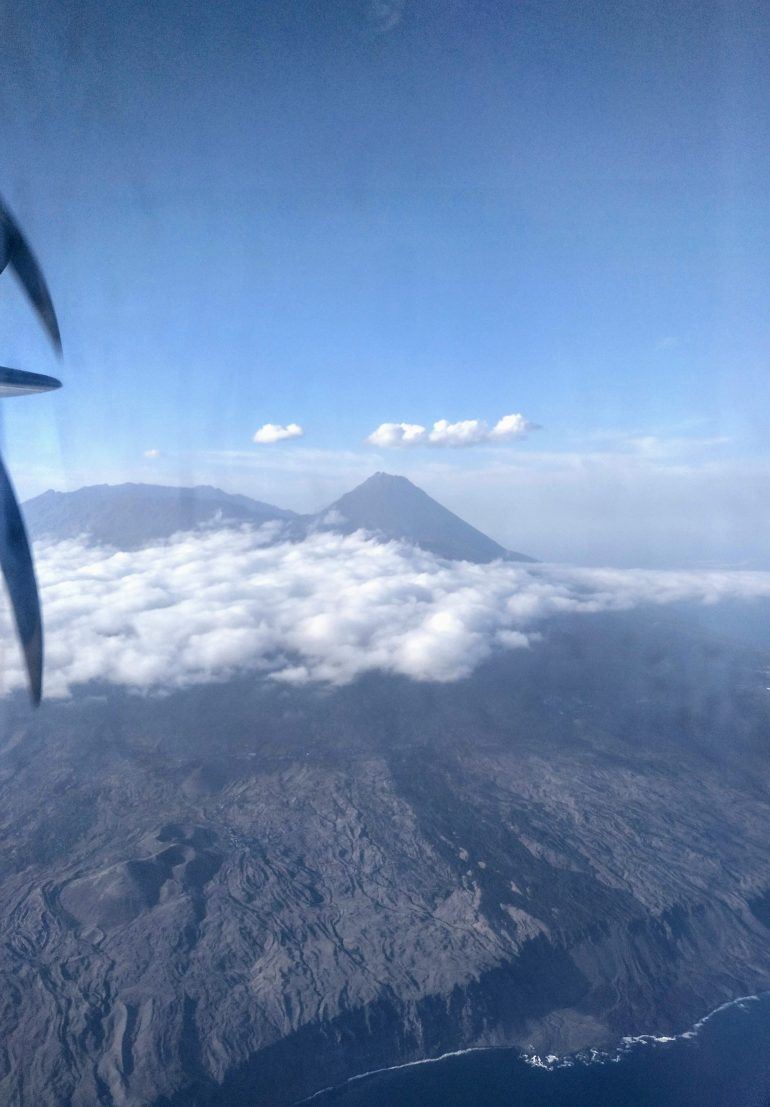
(344, 214)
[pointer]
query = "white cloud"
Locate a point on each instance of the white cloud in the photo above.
(386, 14)
(207, 605)
(467, 432)
(398, 434)
(152, 454)
(273, 432)
(511, 426)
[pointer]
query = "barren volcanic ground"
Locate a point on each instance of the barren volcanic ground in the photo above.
(242, 893)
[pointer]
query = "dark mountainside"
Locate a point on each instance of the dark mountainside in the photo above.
(393, 507)
(132, 515)
(242, 893)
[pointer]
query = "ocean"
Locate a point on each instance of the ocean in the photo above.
(722, 1061)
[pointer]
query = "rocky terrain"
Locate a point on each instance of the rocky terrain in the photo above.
(242, 893)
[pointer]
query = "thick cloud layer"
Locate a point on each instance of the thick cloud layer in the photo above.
(210, 604)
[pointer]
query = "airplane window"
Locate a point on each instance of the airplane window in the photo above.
(385, 669)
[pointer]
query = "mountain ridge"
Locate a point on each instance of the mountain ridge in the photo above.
(131, 515)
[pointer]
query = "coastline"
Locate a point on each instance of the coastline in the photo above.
(552, 1062)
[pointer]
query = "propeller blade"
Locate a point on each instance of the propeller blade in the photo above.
(19, 573)
(18, 382)
(15, 252)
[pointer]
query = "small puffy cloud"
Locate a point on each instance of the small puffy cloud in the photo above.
(274, 432)
(152, 454)
(398, 434)
(334, 518)
(466, 432)
(384, 15)
(511, 426)
(210, 604)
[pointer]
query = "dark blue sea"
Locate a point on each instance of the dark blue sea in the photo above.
(723, 1061)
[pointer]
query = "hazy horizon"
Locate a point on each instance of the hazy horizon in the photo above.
(582, 541)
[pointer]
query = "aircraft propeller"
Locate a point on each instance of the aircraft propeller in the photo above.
(15, 554)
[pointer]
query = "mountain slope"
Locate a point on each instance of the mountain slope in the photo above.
(393, 507)
(128, 516)
(131, 515)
